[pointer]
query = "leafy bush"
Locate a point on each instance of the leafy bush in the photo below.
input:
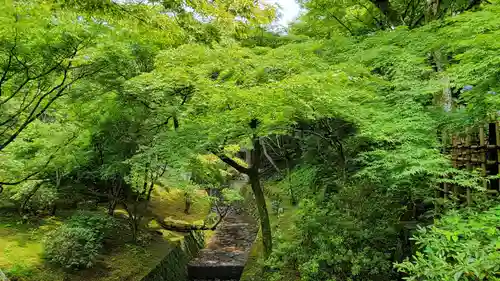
(18, 271)
(463, 245)
(39, 195)
(72, 247)
(45, 197)
(101, 224)
(338, 239)
(76, 244)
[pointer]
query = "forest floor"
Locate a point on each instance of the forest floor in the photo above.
(21, 250)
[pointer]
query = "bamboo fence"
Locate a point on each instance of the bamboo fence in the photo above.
(478, 148)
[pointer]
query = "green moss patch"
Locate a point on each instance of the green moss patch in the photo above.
(21, 245)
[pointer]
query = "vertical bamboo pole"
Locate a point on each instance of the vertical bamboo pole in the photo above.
(460, 155)
(454, 160)
(469, 162)
(482, 145)
(497, 143)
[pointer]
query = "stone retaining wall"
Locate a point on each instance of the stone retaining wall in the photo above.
(173, 265)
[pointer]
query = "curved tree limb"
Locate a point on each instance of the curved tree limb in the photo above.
(188, 228)
(231, 163)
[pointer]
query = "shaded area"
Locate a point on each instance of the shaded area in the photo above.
(226, 253)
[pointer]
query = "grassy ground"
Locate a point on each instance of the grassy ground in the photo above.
(21, 245)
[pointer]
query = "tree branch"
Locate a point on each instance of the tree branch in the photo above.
(343, 24)
(32, 116)
(43, 167)
(188, 228)
(422, 17)
(406, 10)
(7, 68)
(269, 158)
(231, 163)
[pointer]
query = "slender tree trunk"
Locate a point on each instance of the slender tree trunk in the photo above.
(111, 207)
(134, 218)
(253, 174)
(260, 199)
(293, 200)
(441, 62)
(187, 203)
(265, 225)
(53, 209)
(115, 193)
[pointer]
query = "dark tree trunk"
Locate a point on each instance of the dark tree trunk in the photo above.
(254, 177)
(293, 200)
(115, 192)
(111, 207)
(134, 219)
(187, 204)
(385, 7)
(53, 209)
(260, 199)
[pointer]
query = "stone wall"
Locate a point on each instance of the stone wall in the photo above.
(174, 264)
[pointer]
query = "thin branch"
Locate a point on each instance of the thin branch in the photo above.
(32, 117)
(417, 21)
(30, 195)
(161, 124)
(130, 13)
(184, 99)
(16, 91)
(4, 75)
(269, 157)
(343, 24)
(21, 108)
(28, 78)
(371, 14)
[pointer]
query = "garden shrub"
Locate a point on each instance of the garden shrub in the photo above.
(463, 245)
(101, 224)
(72, 247)
(338, 240)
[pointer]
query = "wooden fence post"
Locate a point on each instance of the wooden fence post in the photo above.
(469, 161)
(497, 143)
(482, 153)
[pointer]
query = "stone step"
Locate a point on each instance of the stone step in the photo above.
(227, 251)
(217, 271)
(215, 279)
(207, 257)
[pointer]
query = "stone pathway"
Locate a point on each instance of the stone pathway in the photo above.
(227, 252)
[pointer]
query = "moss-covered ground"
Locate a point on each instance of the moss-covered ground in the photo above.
(21, 244)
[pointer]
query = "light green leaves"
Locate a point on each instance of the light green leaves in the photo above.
(459, 246)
